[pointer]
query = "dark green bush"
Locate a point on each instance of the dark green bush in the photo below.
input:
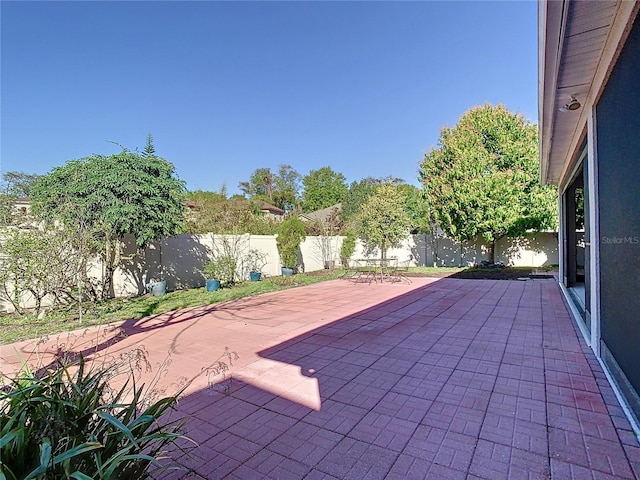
(348, 247)
(290, 235)
(67, 423)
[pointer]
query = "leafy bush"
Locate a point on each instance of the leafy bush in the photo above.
(348, 247)
(221, 268)
(67, 422)
(42, 264)
(290, 235)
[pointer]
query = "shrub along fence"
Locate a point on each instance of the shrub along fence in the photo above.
(179, 260)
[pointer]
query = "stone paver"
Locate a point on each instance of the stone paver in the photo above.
(441, 379)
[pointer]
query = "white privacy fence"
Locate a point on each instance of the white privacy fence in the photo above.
(179, 260)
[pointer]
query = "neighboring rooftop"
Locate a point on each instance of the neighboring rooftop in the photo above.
(322, 215)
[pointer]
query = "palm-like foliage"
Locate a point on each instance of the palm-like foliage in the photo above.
(68, 423)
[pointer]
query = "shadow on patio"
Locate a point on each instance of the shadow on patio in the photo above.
(454, 379)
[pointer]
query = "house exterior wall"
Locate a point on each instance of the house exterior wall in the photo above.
(599, 141)
(618, 155)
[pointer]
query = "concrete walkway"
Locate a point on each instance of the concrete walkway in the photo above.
(442, 379)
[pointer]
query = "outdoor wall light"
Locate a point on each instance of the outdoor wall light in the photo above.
(572, 105)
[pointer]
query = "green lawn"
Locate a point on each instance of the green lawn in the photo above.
(14, 328)
(437, 271)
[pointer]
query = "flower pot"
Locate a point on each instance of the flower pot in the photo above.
(213, 285)
(157, 289)
(255, 276)
(329, 264)
(287, 272)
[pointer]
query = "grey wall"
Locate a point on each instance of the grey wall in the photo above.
(618, 157)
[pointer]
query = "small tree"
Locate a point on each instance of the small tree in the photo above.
(228, 251)
(325, 230)
(223, 268)
(255, 260)
(383, 220)
(42, 264)
(359, 193)
(290, 235)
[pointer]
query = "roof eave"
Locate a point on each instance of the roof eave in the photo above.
(551, 22)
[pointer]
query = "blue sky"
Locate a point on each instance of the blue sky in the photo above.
(228, 87)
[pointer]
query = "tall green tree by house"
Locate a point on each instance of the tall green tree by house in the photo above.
(260, 185)
(279, 189)
(383, 220)
(323, 188)
(112, 196)
(482, 179)
(286, 188)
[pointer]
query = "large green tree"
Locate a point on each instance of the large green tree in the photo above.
(323, 188)
(356, 196)
(482, 179)
(279, 189)
(383, 220)
(286, 192)
(113, 196)
(260, 185)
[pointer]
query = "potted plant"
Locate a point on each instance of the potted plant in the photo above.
(221, 269)
(290, 235)
(255, 260)
(157, 287)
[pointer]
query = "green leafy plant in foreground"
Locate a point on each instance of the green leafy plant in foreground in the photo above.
(68, 423)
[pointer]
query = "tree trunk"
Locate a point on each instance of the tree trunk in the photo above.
(434, 245)
(492, 251)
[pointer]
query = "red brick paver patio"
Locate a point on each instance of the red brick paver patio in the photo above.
(442, 379)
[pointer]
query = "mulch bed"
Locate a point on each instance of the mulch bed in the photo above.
(476, 273)
(497, 274)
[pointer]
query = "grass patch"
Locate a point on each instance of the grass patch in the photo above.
(435, 271)
(14, 328)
